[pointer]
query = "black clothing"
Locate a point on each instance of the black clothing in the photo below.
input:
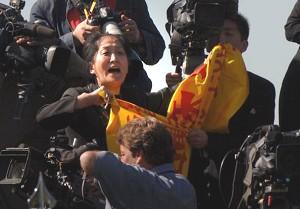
(289, 98)
(53, 13)
(292, 26)
(17, 119)
(257, 110)
(90, 123)
(17, 114)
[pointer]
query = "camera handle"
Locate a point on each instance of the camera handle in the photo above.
(3, 203)
(24, 90)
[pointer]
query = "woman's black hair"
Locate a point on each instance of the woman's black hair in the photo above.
(91, 45)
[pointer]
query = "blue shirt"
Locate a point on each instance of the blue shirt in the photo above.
(134, 187)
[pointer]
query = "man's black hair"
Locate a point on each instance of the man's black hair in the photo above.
(242, 24)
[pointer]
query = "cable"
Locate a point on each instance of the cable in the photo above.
(237, 158)
(233, 184)
(249, 138)
(82, 185)
(220, 175)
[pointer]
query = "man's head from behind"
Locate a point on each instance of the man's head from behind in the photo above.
(146, 142)
(236, 32)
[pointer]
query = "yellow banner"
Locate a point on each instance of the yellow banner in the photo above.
(196, 103)
(123, 111)
(232, 92)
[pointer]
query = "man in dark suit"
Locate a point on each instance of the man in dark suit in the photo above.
(136, 24)
(289, 99)
(257, 110)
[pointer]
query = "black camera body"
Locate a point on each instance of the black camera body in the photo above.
(202, 18)
(20, 168)
(272, 161)
(13, 24)
(8, 16)
(107, 19)
(100, 15)
(11, 13)
(191, 23)
(104, 15)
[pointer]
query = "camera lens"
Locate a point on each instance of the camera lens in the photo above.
(16, 170)
(111, 27)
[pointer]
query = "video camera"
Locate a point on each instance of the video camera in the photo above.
(12, 22)
(191, 23)
(20, 168)
(271, 159)
(107, 19)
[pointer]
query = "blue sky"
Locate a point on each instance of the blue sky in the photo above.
(268, 54)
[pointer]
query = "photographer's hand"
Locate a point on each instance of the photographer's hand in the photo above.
(35, 41)
(87, 161)
(82, 31)
(197, 138)
(173, 79)
(24, 40)
(130, 30)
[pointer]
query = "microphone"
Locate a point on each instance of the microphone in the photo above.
(66, 63)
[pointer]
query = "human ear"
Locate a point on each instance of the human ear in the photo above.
(244, 45)
(139, 159)
(91, 68)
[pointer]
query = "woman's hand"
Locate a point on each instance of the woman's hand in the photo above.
(197, 138)
(93, 98)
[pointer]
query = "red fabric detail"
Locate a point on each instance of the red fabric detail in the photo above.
(200, 70)
(73, 17)
(111, 3)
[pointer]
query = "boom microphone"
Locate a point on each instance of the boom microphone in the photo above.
(4, 7)
(64, 62)
(35, 30)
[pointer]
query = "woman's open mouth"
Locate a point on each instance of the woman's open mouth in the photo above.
(114, 70)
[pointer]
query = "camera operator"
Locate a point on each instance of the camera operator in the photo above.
(144, 176)
(137, 27)
(257, 110)
(25, 85)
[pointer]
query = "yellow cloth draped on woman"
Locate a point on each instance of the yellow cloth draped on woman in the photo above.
(206, 99)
